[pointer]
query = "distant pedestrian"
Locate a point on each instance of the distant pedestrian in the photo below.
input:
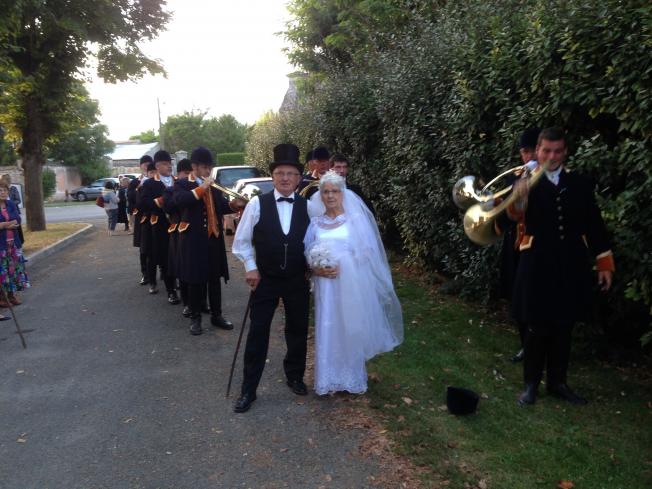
(123, 217)
(110, 205)
(12, 264)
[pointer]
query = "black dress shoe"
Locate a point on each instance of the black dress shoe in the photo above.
(195, 326)
(519, 356)
(529, 395)
(298, 387)
(562, 391)
(186, 313)
(173, 298)
(153, 289)
(220, 322)
(4, 318)
(244, 402)
(143, 281)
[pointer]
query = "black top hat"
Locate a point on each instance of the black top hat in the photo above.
(286, 154)
(162, 155)
(146, 159)
(529, 138)
(461, 401)
(320, 153)
(202, 156)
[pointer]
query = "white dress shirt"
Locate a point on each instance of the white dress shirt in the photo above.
(553, 175)
(243, 247)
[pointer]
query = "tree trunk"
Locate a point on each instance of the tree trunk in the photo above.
(33, 161)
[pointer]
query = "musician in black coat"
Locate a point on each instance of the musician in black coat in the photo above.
(201, 249)
(132, 200)
(564, 238)
(319, 164)
(151, 203)
(184, 168)
(269, 241)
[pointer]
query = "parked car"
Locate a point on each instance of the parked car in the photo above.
(130, 176)
(93, 190)
(228, 175)
(248, 187)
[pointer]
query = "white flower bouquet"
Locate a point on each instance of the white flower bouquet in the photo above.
(320, 256)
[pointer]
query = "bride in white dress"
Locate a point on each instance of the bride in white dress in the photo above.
(357, 313)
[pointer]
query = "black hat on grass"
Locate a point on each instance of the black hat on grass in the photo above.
(461, 401)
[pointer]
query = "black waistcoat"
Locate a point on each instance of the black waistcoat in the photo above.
(278, 254)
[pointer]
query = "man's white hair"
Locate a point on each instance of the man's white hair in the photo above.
(333, 178)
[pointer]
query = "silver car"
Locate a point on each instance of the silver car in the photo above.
(93, 190)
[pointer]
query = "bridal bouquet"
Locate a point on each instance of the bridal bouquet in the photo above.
(320, 256)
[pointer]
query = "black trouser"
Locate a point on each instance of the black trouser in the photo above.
(197, 297)
(143, 264)
(183, 289)
(151, 275)
(522, 332)
(296, 299)
(547, 347)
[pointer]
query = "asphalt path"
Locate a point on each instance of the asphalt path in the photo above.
(113, 392)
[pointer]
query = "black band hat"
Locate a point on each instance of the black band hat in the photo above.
(286, 154)
(202, 156)
(309, 156)
(321, 153)
(162, 155)
(146, 159)
(529, 138)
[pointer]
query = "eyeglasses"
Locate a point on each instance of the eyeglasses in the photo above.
(285, 174)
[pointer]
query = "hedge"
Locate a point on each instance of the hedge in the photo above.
(450, 98)
(225, 159)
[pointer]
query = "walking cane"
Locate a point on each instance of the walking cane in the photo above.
(13, 315)
(237, 348)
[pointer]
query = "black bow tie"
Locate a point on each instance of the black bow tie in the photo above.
(285, 199)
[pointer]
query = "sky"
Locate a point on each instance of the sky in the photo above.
(221, 56)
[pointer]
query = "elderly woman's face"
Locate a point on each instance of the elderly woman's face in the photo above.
(4, 193)
(332, 196)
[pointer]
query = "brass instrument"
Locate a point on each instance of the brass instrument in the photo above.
(226, 191)
(478, 203)
(304, 190)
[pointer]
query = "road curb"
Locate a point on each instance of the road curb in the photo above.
(39, 255)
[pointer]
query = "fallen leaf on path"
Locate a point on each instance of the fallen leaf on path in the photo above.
(408, 401)
(283, 450)
(374, 377)
(564, 484)
(328, 478)
(20, 371)
(22, 438)
(482, 484)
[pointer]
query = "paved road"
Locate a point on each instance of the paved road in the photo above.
(81, 212)
(113, 392)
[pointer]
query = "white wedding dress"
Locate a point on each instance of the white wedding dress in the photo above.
(357, 314)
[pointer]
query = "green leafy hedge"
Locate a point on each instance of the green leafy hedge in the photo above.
(225, 159)
(450, 96)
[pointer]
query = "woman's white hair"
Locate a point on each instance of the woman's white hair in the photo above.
(333, 178)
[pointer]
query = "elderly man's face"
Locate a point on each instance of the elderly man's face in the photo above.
(286, 179)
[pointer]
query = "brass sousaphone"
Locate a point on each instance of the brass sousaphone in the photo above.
(480, 202)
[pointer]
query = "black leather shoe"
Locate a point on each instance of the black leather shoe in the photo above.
(186, 313)
(153, 289)
(562, 391)
(173, 298)
(220, 322)
(143, 281)
(519, 356)
(298, 387)
(195, 326)
(529, 395)
(244, 402)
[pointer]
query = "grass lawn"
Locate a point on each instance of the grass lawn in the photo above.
(607, 444)
(36, 240)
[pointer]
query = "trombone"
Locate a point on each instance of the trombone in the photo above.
(225, 190)
(481, 214)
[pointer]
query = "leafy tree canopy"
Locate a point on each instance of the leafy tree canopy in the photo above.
(145, 137)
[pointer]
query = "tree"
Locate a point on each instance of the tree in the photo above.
(44, 45)
(145, 137)
(7, 154)
(82, 141)
(191, 129)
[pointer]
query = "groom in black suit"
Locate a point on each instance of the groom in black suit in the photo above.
(269, 241)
